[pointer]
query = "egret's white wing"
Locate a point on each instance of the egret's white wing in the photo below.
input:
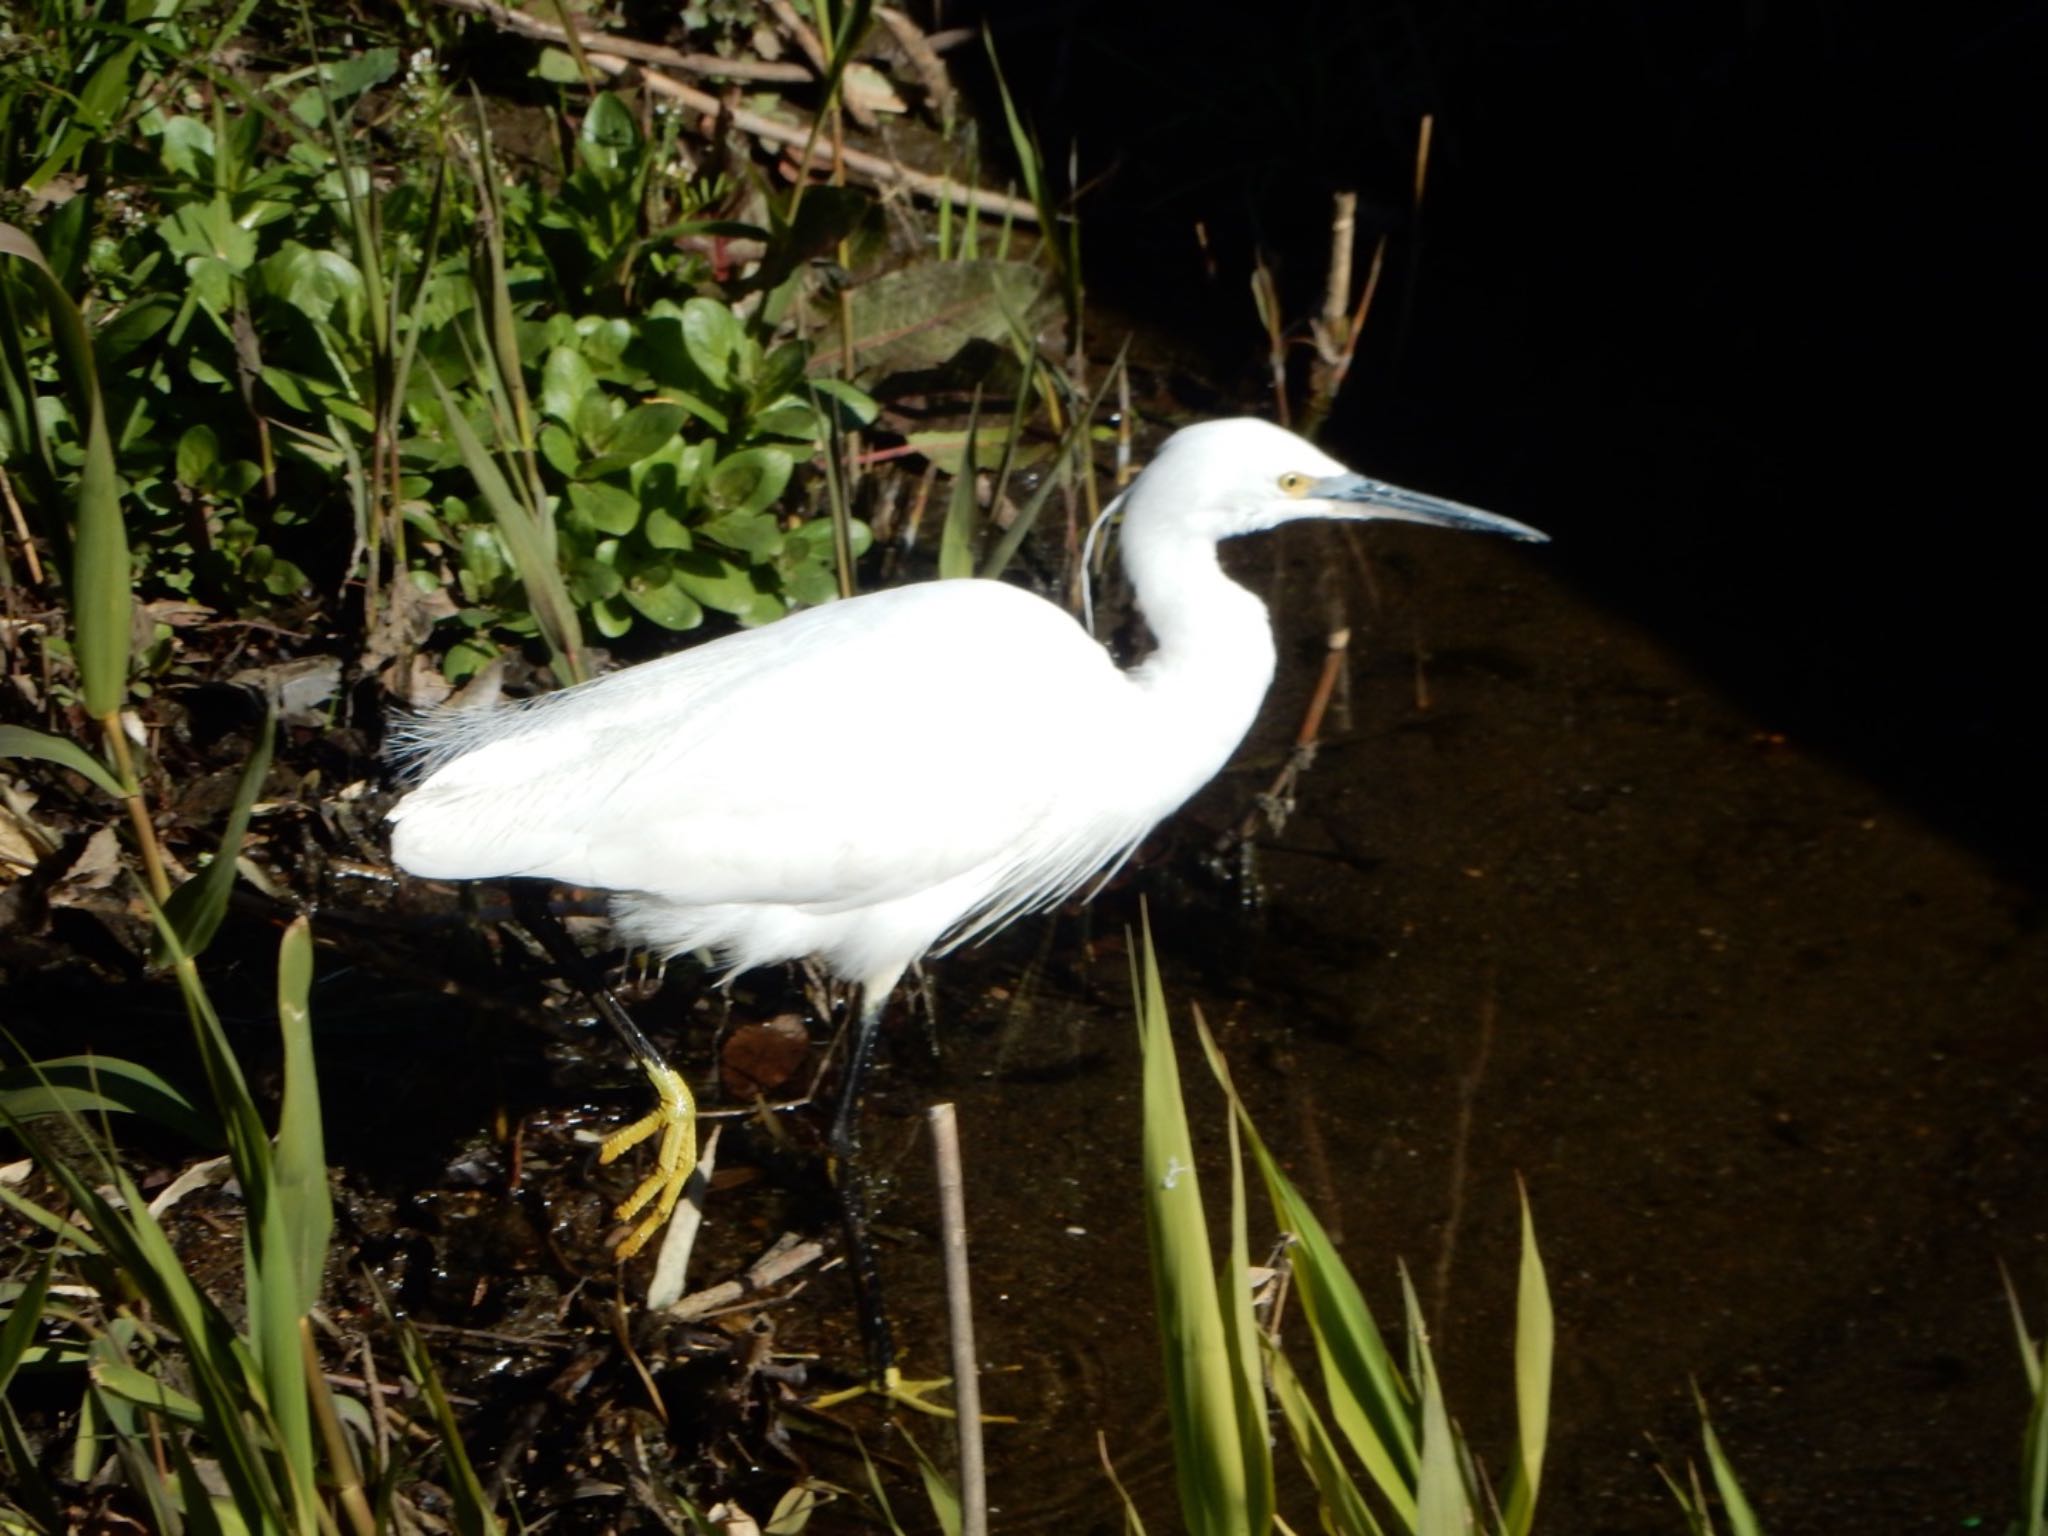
(847, 755)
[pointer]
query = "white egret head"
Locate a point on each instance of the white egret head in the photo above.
(1221, 479)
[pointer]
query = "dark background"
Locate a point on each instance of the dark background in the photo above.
(1737, 301)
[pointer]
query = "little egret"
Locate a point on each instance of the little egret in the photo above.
(982, 756)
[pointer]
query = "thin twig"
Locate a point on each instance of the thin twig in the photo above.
(960, 1318)
(673, 1263)
(28, 545)
(608, 60)
(1461, 1143)
(1274, 804)
(710, 65)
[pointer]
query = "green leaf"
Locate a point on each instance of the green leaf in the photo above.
(558, 67)
(317, 284)
(202, 231)
(564, 380)
(186, 148)
(609, 509)
(1370, 1403)
(198, 452)
(595, 414)
(752, 533)
(725, 586)
(711, 335)
(146, 1391)
(749, 481)
(560, 451)
(609, 135)
(859, 407)
(643, 430)
(195, 909)
(656, 595)
(664, 530)
(20, 741)
(138, 321)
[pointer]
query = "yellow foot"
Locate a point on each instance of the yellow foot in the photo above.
(914, 1395)
(675, 1117)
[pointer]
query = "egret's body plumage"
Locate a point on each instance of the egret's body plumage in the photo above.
(885, 775)
(858, 782)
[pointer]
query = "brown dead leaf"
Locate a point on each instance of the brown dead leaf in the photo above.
(759, 1058)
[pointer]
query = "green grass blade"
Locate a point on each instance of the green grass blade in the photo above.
(1441, 1508)
(301, 1165)
(82, 1085)
(2034, 1469)
(2030, 1353)
(27, 1490)
(102, 590)
(147, 1391)
(471, 1508)
(20, 741)
(248, 1143)
(1134, 1524)
(528, 537)
(1344, 1509)
(1368, 1400)
(19, 1331)
(1535, 1346)
(939, 1491)
(875, 1487)
(290, 1219)
(1201, 1397)
(195, 909)
(1073, 450)
(2034, 1445)
(1240, 1327)
(67, 326)
(233, 1410)
(1742, 1519)
(963, 509)
(279, 1367)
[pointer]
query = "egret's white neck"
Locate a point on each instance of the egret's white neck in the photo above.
(1204, 683)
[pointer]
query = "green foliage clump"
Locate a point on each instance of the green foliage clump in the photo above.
(276, 322)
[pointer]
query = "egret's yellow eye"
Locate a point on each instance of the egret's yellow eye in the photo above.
(1294, 483)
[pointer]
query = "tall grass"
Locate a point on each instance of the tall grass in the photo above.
(1378, 1444)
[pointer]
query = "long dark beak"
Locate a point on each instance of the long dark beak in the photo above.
(1375, 498)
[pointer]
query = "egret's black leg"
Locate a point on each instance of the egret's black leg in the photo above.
(853, 1188)
(529, 902)
(674, 1118)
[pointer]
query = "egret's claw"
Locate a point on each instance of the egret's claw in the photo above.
(914, 1395)
(675, 1117)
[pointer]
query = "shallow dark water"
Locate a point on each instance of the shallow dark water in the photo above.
(1768, 1052)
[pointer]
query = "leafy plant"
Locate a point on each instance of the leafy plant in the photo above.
(1226, 1374)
